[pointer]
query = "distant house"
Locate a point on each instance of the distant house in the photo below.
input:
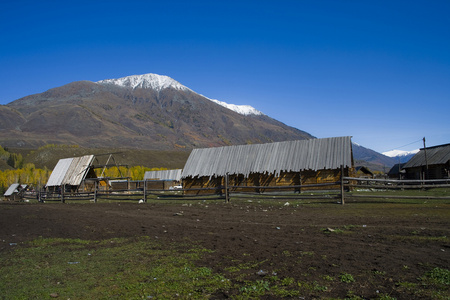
(164, 179)
(363, 172)
(397, 171)
(429, 163)
(15, 192)
(174, 175)
(69, 174)
(291, 163)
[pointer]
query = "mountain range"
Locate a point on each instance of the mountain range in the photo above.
(147, 111)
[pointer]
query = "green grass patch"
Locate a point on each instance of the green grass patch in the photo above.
(437, 276)
(346, 278)
(138, 268)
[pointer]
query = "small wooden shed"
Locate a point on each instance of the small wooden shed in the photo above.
(163, 179)
(363, 172)
(397, 171)
(69, 175)
(281, 164)
(15, 192)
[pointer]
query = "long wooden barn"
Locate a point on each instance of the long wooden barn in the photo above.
(291, 163)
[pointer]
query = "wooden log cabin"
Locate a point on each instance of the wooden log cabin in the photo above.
(429, 163)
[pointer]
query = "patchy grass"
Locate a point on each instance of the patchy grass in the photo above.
(144, 268)
(113, 268)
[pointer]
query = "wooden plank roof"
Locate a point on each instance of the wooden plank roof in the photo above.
(70, 171)
(14, 188)
(273, 158)
(436, 155)
(163, 175)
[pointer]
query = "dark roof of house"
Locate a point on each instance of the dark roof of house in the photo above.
(396, 169)
(273, 158)
(364, 170)
(436, 155)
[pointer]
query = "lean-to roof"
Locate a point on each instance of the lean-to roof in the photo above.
(436, 155)
(70, 171)
(314, 154)
(163, 175)
(14, 188)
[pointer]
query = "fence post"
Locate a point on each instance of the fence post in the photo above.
(95, 190)
(62, 193)
(342, 185)
(227, 196)
(145, 190)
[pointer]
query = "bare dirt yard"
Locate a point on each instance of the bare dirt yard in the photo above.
(359, 250)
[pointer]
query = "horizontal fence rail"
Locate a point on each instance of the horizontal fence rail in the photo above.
(386, 185)
(350, 188)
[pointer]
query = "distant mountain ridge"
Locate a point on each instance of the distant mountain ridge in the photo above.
(141, 111)
(373, 160)
(401, 156)
(160, 82)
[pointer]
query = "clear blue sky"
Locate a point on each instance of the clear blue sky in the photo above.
(375, 70)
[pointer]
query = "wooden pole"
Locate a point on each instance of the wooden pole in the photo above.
(227, 197)
(95, 191)
(145, 190)
(426, 160)
(342, 185)
(300, 182)
(62, 193)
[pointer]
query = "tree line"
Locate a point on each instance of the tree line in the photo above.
(37, 178)
(27, 173)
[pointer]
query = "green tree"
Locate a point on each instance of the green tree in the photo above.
(15, 160)
(4, 154)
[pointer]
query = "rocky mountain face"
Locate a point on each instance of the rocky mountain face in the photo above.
(146, 112)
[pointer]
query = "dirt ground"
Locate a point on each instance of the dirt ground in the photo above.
(380, 245)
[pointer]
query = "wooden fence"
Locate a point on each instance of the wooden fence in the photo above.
(350, 188)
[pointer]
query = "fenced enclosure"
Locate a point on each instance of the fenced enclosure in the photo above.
(351, 189)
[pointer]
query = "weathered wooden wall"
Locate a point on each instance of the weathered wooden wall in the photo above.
(286, 179)
(434, 172)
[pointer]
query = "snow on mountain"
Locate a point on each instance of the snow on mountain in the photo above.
(160, 82)
(240, 109)
(397, 153)
(146, 81)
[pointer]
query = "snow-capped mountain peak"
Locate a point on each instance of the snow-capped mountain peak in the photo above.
(146, 81)
(240, 109)
(160, 82)
(397, 153)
